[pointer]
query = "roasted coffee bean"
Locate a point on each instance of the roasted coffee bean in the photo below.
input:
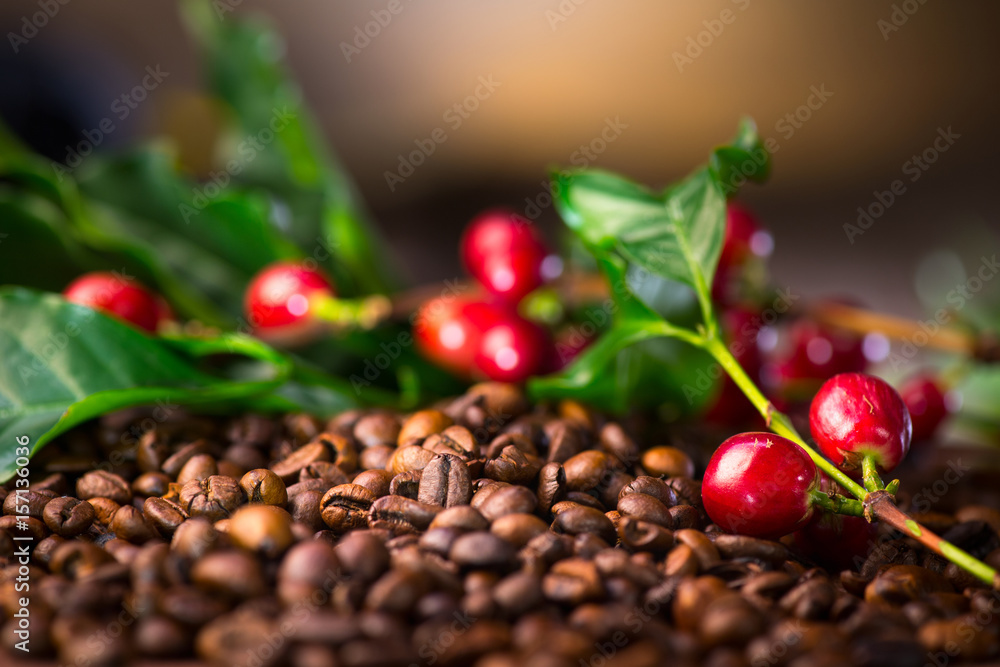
(693, 597)
(27, 502)
(586, 470)
(401, 515)
(507, 500)
(456, 440)
(422, 424)
(573, 581)
(810, 600)
(346, 507)
(195, 538)
(651, 486)
(263, 529)
(237, 639)
(176, 461)
(214, 498)
(199, 466)
(363, 555)
(551, 486)
(742, 546)
(152, 450)
(151, 484)
(68, 517)
(343, 451)
(769, 584)
(445, 481)
(378, 457)
(264, 486)
(564, 439)
(410, 457)
(667, 462)
(729, 621)
(232, 573)
(703, 548)
(376, 481)
(640, 535)
(618, 445)
(901, 583)
(646, 508)
(579, 520)
(518, 529)
(99, 483)
(497, 445)
(687, 490)
(308, 568)
(518, 593)
(481, 550)
(290, 466)
(130, 524)
(512, 466)
(327, 471)
(462, 517)
(681, 562)
(377, 429)
(21, 528)
(406, 484)
(306, 509)
(684, 516)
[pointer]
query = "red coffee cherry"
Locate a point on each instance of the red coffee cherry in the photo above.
(504, 252)
(759, 484)
(513, 349)
(119, 296)
(925, 401)
(448, 330)
(281, 301)
(856, 415)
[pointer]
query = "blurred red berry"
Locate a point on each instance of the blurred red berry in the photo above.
(740, 327)
(448, 330)
(120, 296)
(513, 349)
(504, 252)
(925, 401)
(280, 302)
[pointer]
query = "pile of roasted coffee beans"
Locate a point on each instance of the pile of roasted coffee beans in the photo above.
(484, 531)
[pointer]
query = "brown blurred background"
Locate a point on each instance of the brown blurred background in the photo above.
(676, 76)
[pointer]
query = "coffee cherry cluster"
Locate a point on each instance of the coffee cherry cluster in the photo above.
(765, 485)
(484, 335)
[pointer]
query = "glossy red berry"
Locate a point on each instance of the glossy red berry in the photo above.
(504, 252)
(281, 300)
(925, 401)
(448, 330)
(744, 238)
(836, 541)
(118, 295)
(513, 349)
(759, 484)
(855, 415)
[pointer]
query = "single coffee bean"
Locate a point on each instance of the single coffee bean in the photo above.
(151, 484)
(161, 637)
(236, 639)
(497, 445)
(74, 559)
(640, 535)
(586, 470)
(564, 439)
(306, 509)
(811, 600)
(667, 462)
(410, 457)
(551, 486)
(377, 458)
(164, 515)
(518, 593)
(769, 584)
(901, 583)
(214, 498)
(68, 517)
(343, 450)
(27, 502)
(318, 485)
(480, 550)
(401, 515)
(507, 500)
(693, 597)
(579, 520)
(363, 555)
(406, 484)
(100, 483)
(651, 486)
(730, 620)
(687, 490)
(176, 461)
(743, 546)
(456, 440)
(512, 466)
(302, 427)
(290, 466)
(130, 524)
(647, 508)
(518, 529)
(265, 487)
(191, 606)
(345, 507)
(681, 562)
(684, 516)
(104, 511)
(445, 481)
(618, 445)
(704, 549)
(308, 568)
(422, 424)
(195, 538)
(262, 529)
(377, 481)
(246, 457)
(461, 517)
(199, 466)
(377, 429)
(152, 450)
(233, 573)
(573, 581)
(327, 471)
(21, 528)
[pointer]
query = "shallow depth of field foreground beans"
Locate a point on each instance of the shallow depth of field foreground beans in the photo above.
(484, 530)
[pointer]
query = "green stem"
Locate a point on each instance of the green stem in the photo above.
(364, 313)
(837, 504)
(869, 472)
(776, 421)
